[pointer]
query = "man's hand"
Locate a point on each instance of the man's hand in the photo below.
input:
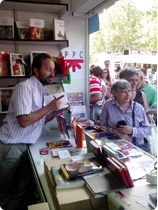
(55, 104)
(65, 109)
(125, 129)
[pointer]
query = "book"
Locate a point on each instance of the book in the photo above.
(96, 149)
(59, 29)
(62, 183)
(23, 30)
(4, 64)
(36, 29)
(17, 64)
(74, 123)
(6, 28)
(59, 144)
(79, 168)
(126, 172)
(117, 171)
(79, 136)
(89, 138)
(131, 152)
(102, 182)
(64, 100)
(123, 144)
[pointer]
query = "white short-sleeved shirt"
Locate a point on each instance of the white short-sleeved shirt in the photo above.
(27, 97)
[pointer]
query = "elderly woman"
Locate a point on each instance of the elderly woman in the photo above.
(121, 108)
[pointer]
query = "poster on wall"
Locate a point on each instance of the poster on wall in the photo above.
(75, 63)
(5, 96)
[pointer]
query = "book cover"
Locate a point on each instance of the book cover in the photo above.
(36, 29)
(59, 144)
(79, 136)
(89, 138)
(126, 172)
(102, 182)
(123, 144)
(96, 149)
(4, 64)
(131, 152)
(6, 28)
(74, 123)
(117, 171)
(62, 183)
(23, 30)
(80, 168)
(59, 29)
(17, 64)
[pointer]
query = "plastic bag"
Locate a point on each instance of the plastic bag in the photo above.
(152, 139)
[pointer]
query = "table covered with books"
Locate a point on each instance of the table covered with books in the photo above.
(69, 177)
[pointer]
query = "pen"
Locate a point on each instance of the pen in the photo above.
(54, 97)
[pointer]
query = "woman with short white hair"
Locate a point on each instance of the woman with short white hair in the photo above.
(125, 118)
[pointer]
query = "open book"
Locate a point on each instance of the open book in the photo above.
(64, 100)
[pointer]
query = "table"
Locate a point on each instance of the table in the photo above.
(49, 135)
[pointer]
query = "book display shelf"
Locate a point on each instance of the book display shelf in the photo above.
(48, 10)
(12, 43)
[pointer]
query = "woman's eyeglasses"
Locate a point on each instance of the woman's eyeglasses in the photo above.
(105, 72)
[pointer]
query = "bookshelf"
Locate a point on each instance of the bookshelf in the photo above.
(24, 10)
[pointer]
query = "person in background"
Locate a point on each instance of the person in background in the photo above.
(144, 72)
(155, 80)
(148, 90)
(149, 76)
(132, 77)
(107, 80)
(5, 99)
(23, 126)
(107, 64)
(95, 90)
(120, 108)
(91, 67)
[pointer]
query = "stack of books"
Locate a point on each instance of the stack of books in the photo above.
(120, 170)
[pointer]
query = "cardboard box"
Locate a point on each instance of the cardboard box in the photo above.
(39, 206)
(70, 199)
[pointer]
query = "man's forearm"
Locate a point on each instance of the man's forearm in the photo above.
(26, 120)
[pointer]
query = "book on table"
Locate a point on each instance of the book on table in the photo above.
(61, 182)
(126, 172)
(80, 168)
(102, 182)
(117, 170)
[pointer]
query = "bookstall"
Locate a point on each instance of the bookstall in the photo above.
(81, 194)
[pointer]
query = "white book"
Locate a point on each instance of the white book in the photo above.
(6, 28)
(59, 29)
(64, 100)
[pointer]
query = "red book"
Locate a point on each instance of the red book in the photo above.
(125, 169)
(79, 136)
(117, 171)
(36, 29)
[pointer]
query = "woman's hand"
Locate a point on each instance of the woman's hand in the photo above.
(121, 135)
(125, 129)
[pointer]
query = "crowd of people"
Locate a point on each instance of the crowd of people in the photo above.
(124, 97)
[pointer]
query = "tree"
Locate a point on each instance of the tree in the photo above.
(124, 26)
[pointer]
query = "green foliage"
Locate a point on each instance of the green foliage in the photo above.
(124, 26)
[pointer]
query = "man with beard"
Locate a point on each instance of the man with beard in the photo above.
(21, 127)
